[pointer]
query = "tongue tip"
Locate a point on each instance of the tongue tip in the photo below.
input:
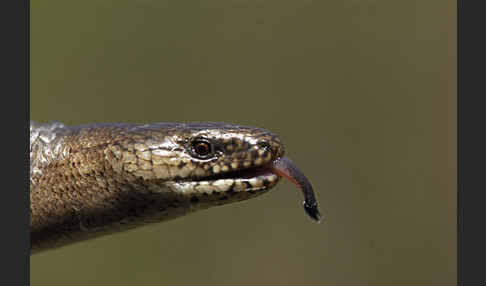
(313, 211)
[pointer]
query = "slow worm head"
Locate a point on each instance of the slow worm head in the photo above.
(92, 180)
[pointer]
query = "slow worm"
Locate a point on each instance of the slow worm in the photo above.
(92, 180)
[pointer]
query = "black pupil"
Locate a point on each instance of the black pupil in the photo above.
(264, 145)
(202, 148)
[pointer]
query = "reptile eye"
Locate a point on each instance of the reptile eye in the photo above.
(264, 145)
(202, 148)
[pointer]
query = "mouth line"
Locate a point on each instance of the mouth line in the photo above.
(249, 173)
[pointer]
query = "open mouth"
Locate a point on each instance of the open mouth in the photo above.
(242, 181)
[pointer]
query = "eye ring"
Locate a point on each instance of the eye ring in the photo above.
(202, 148)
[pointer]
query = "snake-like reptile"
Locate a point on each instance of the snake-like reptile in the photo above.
(91, 180)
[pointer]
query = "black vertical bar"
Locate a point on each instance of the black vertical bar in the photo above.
(14, 199)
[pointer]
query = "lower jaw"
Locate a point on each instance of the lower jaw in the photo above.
(260, 182)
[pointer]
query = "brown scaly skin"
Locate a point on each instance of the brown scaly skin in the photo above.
(92, 180)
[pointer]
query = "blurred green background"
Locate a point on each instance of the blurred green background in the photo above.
(363, 94)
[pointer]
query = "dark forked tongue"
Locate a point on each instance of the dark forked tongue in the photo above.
(283, 167)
